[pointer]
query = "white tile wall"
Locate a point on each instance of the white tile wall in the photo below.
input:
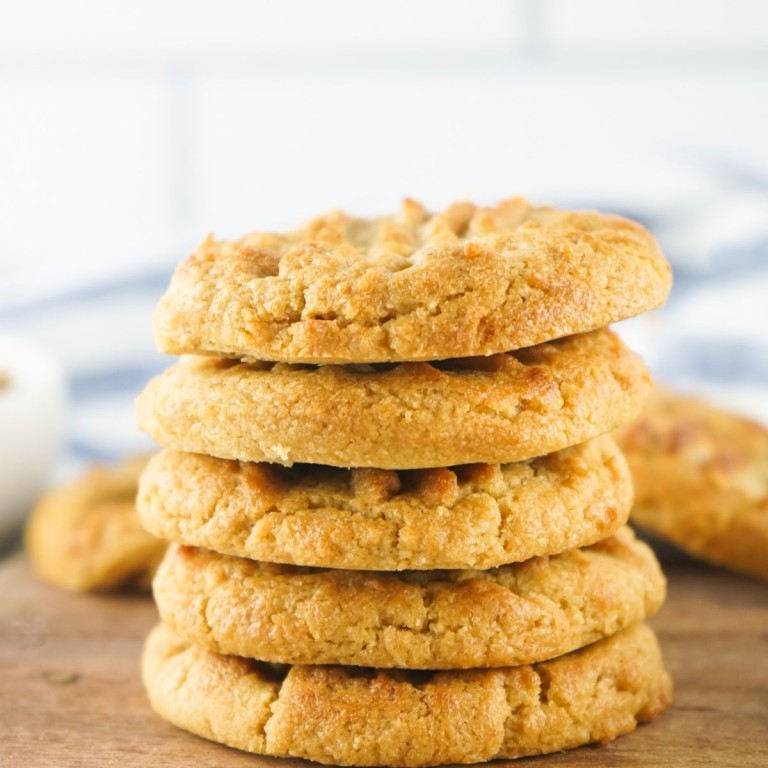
(85, 173)
(362, 141)
(129, 129)
(200, 28)
(649, 25)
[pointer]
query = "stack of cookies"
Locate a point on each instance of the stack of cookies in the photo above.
(398, 520)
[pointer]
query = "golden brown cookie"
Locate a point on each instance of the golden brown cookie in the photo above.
(498, 409)
(471, 516)
(512, 615)
(87, 535)
(414, 286)
(701, 479)
(359, 716)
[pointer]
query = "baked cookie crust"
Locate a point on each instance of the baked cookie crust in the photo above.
(516, 614)
(504, 408)
(414, 286)
(470, 516)
(358, 716)
(701, 480)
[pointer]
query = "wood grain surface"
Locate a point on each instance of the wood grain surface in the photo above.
(70, 693)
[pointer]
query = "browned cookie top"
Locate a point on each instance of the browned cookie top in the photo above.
(412, 286)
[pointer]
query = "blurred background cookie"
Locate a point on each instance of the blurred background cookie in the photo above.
(701, 480)
(87, 536)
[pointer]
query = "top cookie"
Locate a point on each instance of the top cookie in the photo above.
(414, 286)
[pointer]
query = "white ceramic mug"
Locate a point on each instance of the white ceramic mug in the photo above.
(32, 406)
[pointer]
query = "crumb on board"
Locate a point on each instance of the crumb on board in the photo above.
(60, 676)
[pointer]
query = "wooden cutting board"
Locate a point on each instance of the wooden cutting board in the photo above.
(70, 693)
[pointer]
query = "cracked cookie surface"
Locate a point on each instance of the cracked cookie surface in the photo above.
(414, 286)
(86, 535)
(359, 716)
(701, 480)
(470, 516)
(498, 409)
(516, 614)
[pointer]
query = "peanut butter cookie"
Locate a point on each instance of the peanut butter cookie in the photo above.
(701, 480)
(87, 535)
(413, 286)
(359, 716)
(499, 409)
(507, 616)
(470, 516)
